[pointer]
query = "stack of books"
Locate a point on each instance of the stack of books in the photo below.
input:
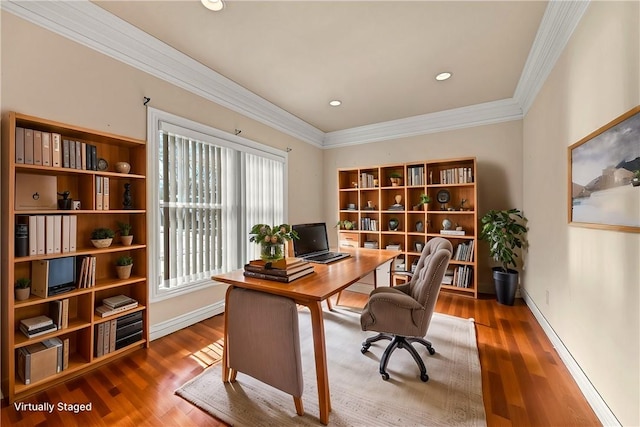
(86, 276)
(285, 270)
(36, 326)
(115, 305)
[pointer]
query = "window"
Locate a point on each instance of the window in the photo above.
(206, 189)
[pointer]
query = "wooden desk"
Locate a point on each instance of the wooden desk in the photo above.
(310, 291)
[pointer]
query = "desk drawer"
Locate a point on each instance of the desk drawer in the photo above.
(349, 240)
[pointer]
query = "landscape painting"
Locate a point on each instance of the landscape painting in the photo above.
(604, 176)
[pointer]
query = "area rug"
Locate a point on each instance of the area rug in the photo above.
(359, 396)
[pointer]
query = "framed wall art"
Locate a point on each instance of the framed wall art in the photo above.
(604, 176)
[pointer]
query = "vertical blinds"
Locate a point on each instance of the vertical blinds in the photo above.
(210, 194)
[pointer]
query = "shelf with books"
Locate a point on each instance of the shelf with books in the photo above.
(401, 199)
(82, 182)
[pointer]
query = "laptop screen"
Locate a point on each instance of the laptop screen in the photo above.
(313, 238)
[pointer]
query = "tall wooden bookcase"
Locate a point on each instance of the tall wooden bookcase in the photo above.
(369, 201)
(83, 320)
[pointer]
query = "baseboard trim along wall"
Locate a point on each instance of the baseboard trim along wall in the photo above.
(599, 406)
(172, 325)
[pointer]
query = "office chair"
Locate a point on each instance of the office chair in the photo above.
(402, 313)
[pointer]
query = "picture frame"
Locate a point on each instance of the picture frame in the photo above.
(603, 185)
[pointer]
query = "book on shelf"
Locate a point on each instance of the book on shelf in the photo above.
(268, 275)
(56, 150)
(19, 145)
(453, 232)
(105, 311)
(60, 313)
(32, 333)
(393, 247)
(37, 147)
(118, 301)
(46, 149)
(36, 322)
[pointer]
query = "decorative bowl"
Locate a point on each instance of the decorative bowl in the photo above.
(101, 243)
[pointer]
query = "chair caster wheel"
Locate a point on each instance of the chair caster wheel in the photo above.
(363, 350)
(424, 377)
(432, 351)
(385, 376)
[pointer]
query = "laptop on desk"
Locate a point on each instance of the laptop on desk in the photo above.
(313, 244)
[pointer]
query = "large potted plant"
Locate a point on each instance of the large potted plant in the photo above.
(506, 231)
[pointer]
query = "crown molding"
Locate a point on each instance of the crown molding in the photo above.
(94, 27)
(458, 118)
(558, 23)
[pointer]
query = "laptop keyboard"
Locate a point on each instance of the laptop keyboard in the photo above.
(322, 257)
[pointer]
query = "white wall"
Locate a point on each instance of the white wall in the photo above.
(46, 75)
(592, 276)
(497, 148)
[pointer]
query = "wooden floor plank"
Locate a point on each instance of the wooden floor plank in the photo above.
(524, 382)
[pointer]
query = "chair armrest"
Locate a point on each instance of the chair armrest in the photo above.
(392, 296)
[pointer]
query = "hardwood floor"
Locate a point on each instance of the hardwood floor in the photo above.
(523, 380)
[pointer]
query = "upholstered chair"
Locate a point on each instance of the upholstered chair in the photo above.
(262, 339)
(402, 313)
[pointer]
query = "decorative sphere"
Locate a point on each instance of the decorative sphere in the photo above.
(123, 167)
(446, 224)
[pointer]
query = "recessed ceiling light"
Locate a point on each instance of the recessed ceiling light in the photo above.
(335, 103)
(215, 5)
(443, 76)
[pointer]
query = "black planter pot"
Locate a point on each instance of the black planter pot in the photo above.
(506, 285)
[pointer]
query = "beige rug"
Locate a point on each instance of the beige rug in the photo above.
(359, 396)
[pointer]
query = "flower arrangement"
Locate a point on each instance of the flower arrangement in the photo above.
(271, 239)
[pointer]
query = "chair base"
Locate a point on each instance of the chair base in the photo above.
(398, 341)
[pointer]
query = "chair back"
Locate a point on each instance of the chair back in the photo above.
(427, 277)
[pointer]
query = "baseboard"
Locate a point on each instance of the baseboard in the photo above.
(599, 406)
(172, 325)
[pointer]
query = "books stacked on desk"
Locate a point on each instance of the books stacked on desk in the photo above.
(284, 270)
(115, 305)
(36, 326)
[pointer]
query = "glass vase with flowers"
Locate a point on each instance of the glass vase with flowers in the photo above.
(271, 240)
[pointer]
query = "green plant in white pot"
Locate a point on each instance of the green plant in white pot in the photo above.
(506, 233)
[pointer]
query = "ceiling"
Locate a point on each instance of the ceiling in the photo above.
(379, 58)
(280, 62)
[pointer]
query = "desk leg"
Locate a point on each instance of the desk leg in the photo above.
(320, 353)
(226, 372)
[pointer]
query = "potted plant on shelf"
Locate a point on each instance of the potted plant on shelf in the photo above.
(345, 224)
(395, 179)
(124, 264)
(102, 237)
(23, 288)
(505, 230)
(635, 181)
(271, 240)
(126, 238)
(424, 201)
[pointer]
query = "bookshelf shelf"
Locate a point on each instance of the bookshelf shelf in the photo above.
(80, 335)
(415, 224)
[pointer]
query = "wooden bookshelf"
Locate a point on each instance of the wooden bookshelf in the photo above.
(368, 198)
(82, 302)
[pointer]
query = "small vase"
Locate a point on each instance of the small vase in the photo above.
(393, 224)
(271, 251)
(22, 294)
(124, 271)
(126, 240)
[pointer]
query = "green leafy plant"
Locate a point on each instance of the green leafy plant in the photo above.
(505, 230)
(424, 199)
(636, 173)
(102, 233)
(395, 175)
(345, 224)
(23, 283)
(124, 228)
(124, 261)
(263, 233)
